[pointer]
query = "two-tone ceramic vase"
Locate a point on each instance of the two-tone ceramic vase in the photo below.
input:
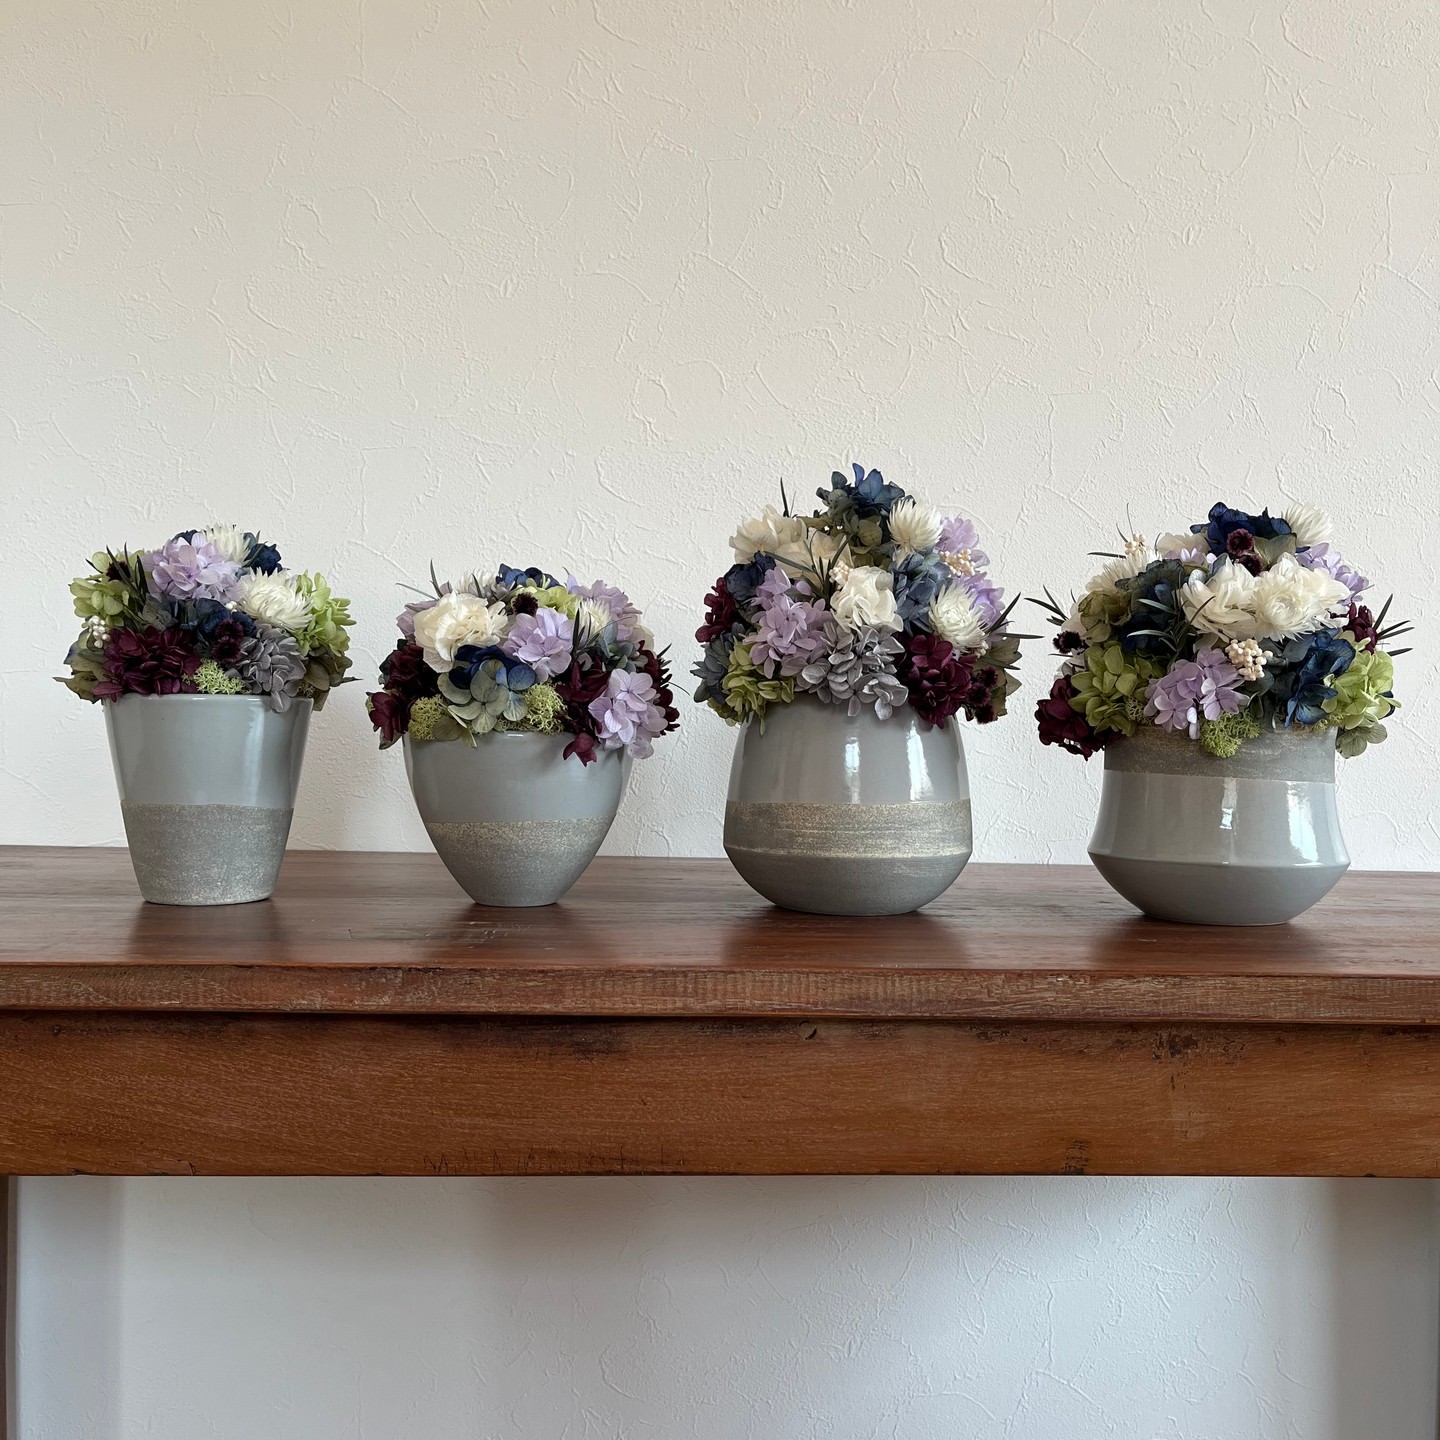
(207, 789)
(515, 822)
(836, 814)
(1250, 840)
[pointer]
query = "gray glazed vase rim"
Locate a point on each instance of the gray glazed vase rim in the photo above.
(302, 701)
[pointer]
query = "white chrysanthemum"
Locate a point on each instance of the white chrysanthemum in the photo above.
(1224, 604)
(592, 617)
(230, 540)
(454, 620)
(1310, 524)
(1291, 599)
(1123, 567)
(953, 617)
(1191, 549)
(867, 597)
(915, 525)
(273, 600)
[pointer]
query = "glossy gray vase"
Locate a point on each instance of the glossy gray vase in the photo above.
(514, 821)
(207, 788)
(1253, 840)
(840, 815)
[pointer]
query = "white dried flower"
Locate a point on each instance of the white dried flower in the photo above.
(1291, 599)
(591, 618)
(1309, 524)
(457, 619)
(1137, 547)
(273, 600)
(230, 540)
(1247, 657)
(953, 617)
(1123, 567)
(866, 597)
(915, 525)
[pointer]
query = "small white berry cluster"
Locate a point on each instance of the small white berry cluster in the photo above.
(97, 630)
(839, 573)
(1247, 657)
(1137, 547)
(960, 562)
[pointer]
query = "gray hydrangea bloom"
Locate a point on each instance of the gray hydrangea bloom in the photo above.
(271, 664)
(857, 669)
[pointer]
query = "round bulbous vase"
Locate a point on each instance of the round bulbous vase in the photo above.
(834, 814)
(515, 822)
(1250, 840)
(207, 789)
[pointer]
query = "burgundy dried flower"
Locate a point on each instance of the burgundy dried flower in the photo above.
(938, 680)
(1238, 543)
(721, 612)
(1361, 624)
(226, 640)
(1062, 726)
(1067, 642)
(524, 604)
(148, 662)
(583, 746)
(659, 672)
(406, 675)
(389, 714)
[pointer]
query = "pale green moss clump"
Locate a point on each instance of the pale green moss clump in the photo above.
(544, 709)
(213, 679)
(1224, 737)
(430, 719)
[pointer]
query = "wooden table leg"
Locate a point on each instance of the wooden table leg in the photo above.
(7, 1307)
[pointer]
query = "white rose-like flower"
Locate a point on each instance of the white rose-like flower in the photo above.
(230, 540)
(867, 597)
(1224, 604)
(768, 533)
(273, 600)
(1180, 547)
(1291, 599)
(953, 617)
(1310, 524)
(915, 526)
(454, 620)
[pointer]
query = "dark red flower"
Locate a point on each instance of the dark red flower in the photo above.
(938, 680)
(579, 685)
(405, 674)
(390, 715)
(1062, 726)
(524, 604)
(148, 662)
(584, 747)
(225, 642)
(1238, 543)
(1067, 642)
(721, 612)
(1250, 561)
(1361, 624)
(659, 672)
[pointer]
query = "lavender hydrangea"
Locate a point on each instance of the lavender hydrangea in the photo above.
(791, 629)
(545, 641)
(1206, 687)
(189, 567)
(622, 609)
(271, 664)
(627, 715)
(958, 536)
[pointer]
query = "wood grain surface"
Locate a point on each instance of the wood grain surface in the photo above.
(393, 934)
(409, 1095)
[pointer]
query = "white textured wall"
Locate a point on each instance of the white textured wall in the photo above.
(577, 284)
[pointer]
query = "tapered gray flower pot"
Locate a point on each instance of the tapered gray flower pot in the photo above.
(514, 821)
(1253, 840)
(207, 788)
(840, 815)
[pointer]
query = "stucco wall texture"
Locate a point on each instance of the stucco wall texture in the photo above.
(579, 284)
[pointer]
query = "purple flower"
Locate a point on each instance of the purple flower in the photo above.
(1326, 558)
(626, 715)
(545, 641)
(1206, 687)
(989, 599)
(790, 632)
(959, 534)
(622, 611)
(190, 569)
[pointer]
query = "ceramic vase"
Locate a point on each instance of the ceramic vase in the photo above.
(848, 815)
(514, 821)
(207, 788)
(1252, 840)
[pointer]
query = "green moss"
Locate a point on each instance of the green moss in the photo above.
(544, 709)
(430, 719)
(212, 679)
(1224, 737)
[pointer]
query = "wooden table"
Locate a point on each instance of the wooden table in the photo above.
(664, 1020)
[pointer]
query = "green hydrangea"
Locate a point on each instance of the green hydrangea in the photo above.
(1224, 737)
(329, 617)
(1361, 696)
(214, 679)
(748, 691)
(430, 719)
(1110, 690)
(99, 598)
(557, 597)
(1101, 611)
(87, 669)
(544, 709)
